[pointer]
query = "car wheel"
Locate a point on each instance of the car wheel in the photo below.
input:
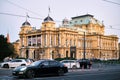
(60, 72)
(74, 67)
(30, 74)
(5, 66)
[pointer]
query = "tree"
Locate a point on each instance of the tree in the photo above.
(6, 49)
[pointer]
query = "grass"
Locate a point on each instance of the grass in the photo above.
(108, 61)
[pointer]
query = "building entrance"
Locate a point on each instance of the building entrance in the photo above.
(73, 52)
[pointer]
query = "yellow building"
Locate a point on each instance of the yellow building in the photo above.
(17, 47)
(81, 37)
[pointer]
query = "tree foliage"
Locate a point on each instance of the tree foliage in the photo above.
(6, 49)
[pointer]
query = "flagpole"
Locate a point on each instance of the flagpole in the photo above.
(27, 16)
(48, 10)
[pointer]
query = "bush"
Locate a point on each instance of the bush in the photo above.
(66, 58)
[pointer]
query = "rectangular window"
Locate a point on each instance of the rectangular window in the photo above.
(29, 40)
(34, 40)
(39, 40)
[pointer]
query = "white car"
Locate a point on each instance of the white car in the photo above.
(71, 63)
(15, 63)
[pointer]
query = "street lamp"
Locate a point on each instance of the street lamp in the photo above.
(84, 43)
(84, 47)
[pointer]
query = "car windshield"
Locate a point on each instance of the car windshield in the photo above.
(36, 63)
(16, 60)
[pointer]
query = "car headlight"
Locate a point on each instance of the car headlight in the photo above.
(22, 69)
(1, 64)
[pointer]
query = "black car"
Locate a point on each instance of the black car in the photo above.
(41, 67)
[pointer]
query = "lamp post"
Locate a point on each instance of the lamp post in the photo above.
(84, 47)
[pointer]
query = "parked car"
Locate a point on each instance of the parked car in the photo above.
(41, 67)
(71, 63)
(15, 63)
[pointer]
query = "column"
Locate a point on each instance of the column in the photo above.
(31, 40)
(36, 40)
(50, 40)
(59, 40)
(41, 40)
(55, 41)
(27, 41)
(46, 40)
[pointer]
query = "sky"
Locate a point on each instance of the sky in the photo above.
(102, 10)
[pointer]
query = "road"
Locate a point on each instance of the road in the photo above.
(109, 73)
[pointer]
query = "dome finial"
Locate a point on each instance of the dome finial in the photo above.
(27, 16)
(49, 10)
(48, 18)
(26, 22)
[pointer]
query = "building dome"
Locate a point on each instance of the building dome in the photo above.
(48, 18)
(26, 23)
(65, 22)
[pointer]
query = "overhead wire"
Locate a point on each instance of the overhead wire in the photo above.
(20, 15)
(112, 2)
(23, 8)
(26, 10)
(111, 27)
(24, 16)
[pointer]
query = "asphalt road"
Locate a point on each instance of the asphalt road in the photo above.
(109, 73)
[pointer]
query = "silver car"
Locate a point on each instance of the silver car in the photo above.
(71, 63)
(15, 63)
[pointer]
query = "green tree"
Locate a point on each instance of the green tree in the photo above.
(6, 49)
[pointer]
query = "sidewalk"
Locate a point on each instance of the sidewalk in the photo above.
(98, 68)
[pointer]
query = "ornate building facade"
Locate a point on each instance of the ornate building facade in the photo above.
(81, 37)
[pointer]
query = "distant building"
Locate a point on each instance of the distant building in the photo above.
(17, 47)
(8, 38)
(82, 35)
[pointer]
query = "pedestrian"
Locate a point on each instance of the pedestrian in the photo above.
(90, 64)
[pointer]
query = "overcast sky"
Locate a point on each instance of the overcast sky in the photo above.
(59, 9)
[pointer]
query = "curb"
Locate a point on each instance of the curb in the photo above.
(74, 70)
